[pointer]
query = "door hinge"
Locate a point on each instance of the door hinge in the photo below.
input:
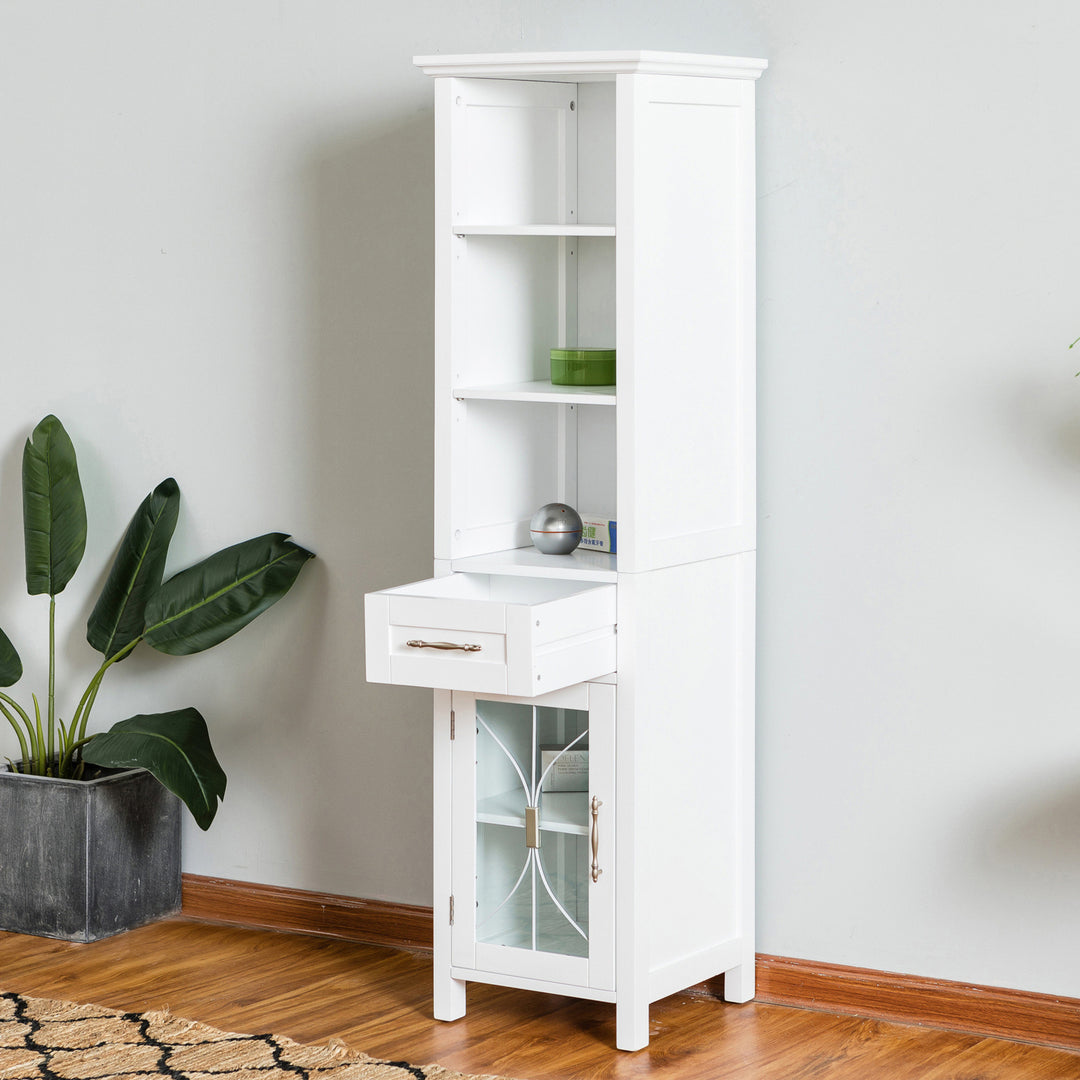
(453, 724)
(451, 911)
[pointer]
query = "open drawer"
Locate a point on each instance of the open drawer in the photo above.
(490, 633)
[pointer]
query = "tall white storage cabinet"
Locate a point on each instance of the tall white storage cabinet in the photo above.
(593, 712)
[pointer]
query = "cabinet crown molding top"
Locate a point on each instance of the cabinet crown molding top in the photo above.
(590, 66)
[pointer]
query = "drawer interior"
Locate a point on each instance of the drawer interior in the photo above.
(498, 588)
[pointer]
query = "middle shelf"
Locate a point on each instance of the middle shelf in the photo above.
(560, 229)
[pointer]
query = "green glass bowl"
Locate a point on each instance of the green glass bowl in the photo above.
(583, 367)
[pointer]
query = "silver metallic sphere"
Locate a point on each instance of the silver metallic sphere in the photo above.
(555, 529)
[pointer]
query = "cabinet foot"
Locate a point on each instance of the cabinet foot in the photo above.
(449, 998)
(739, 983)
(631, 1025)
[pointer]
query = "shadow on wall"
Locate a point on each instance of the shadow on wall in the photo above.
(1044, 837)
(1045, 408)
(369, 396)
(1027, 846)
(11, 528)
(372, 312)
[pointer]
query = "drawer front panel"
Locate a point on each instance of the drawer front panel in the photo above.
(447, 669)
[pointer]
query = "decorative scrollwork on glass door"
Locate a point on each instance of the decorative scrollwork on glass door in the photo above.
(532, 827)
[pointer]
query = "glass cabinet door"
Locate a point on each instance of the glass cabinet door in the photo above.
(535, 797)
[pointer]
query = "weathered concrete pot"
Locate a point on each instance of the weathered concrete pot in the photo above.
(85, 859)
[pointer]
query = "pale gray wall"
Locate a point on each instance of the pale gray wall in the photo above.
(215, 251)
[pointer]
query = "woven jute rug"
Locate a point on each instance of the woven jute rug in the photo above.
(58, 1040)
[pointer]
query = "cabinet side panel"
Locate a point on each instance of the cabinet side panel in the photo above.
(448, 992)
(455, 831)
(377, 637)
(685, 319)
(449, 250)
(692, 709)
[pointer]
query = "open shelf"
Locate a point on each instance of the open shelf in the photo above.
(527, 561)
(539, 391)
(561, 229)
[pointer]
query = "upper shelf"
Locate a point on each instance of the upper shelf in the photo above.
(539, 391)
(534, 230)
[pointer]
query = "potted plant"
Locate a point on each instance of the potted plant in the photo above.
(74, 791)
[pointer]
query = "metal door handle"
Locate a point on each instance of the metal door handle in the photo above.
(596, 871)
(417, 644)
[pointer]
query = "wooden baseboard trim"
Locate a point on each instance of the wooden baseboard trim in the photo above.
(909, 999)
(270, 907)
(781, 980)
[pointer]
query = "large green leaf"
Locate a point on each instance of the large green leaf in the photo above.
(118, 617)
(175, 747)
(54, 514)
(211, 601)
(10, 664)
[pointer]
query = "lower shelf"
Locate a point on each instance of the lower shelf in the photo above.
(543, 986)
(528, 562)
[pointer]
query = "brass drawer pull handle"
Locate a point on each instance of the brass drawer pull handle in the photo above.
(596, 871)
(415, 644)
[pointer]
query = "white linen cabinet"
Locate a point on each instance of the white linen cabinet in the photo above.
(594, 769)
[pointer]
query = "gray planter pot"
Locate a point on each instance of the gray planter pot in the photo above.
(85, 859)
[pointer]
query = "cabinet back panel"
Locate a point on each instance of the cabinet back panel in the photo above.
(596, 152)
(522, 296)
(513, 460)
(596, 461)
(510, 470)
(511, 310)
(595, 292)
(514, 145)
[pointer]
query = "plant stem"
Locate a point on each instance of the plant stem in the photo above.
(25, 719)
(75, 735)
(52, 676)
(18, 731)
(96, 686)
(86, 702)
(65, 761)
(40, 738)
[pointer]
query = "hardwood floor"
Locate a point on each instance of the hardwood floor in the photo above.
(378, 1000)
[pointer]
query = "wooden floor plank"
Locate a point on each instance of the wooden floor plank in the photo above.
(379, 1000)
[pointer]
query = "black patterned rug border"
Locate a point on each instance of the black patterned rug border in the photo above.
(278, 1047)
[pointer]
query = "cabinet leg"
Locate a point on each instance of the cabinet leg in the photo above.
(449, 998)
(631, 1025)
(739, 982)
